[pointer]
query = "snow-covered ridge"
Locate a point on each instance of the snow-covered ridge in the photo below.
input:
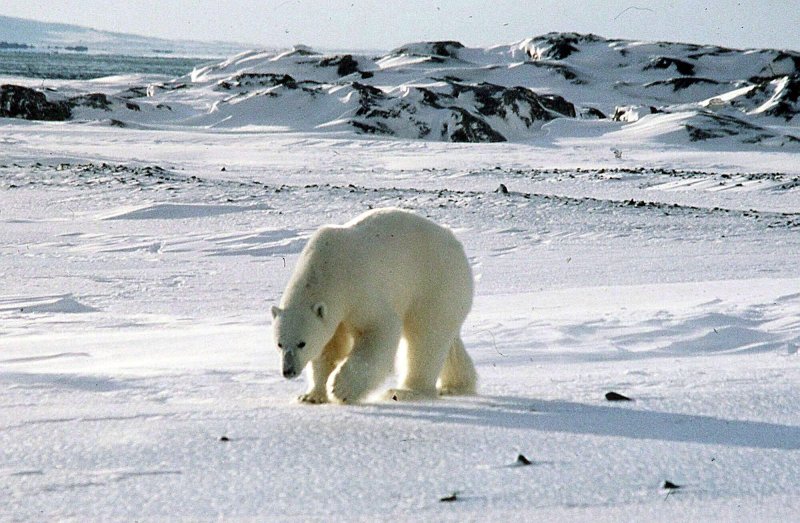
(446, 91)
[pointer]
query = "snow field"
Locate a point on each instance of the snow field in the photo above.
(134, 332)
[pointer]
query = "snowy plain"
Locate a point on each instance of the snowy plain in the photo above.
(139, 382)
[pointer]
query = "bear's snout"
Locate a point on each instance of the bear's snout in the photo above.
(289, 370)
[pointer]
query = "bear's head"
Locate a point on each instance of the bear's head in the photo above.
(300, 333)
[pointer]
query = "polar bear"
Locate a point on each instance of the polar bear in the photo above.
(359, 288)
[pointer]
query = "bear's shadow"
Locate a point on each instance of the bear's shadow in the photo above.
(627, 421)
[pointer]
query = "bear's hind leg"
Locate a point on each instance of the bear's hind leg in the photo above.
(458, 377)
(369, 363)
(427, 352)
(322, 367)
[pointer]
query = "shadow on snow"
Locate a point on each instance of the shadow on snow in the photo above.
(580, 418)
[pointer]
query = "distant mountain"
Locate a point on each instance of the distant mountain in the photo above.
(554, 84)
(45, 36)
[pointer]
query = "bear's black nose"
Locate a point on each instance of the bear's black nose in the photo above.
(289, 373)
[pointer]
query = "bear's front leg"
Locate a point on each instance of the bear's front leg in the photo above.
(319, 371)
(323, 365)
(369, 363)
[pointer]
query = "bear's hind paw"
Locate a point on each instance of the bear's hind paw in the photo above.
(408, 395)
(457, 391)
(313, 398)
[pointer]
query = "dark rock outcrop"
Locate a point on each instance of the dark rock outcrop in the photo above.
(345, 64)
(257, 80)
(683, 67)
(592, 113)
(29, 104)
(558, 46)
(468, 128)
(92, 101)
(472, 111)
(495, 100)
(440, 49)
(683, 82)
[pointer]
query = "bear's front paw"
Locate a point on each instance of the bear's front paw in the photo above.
(314, 397)
(343, 388)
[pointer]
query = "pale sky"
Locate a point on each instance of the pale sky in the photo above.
(385, 24)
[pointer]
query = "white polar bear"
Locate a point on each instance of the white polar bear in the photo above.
(357, 289)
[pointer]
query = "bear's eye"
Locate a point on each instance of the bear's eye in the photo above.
(301, 345)
(280, 345)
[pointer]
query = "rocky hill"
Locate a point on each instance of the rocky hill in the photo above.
(446, 91)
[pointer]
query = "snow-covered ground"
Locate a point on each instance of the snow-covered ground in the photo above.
(138, 380)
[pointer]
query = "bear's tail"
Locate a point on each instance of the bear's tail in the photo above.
(458, 377)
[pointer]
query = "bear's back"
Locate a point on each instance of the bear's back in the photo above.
(403, 247)
(390, 228)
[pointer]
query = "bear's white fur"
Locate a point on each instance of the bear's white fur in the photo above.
(359, 288)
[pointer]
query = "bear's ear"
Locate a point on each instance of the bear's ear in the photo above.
(276, 311)
(320, 310)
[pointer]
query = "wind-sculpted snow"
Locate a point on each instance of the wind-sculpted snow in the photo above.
(65, 304)
(444, 91)
(172, 211)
